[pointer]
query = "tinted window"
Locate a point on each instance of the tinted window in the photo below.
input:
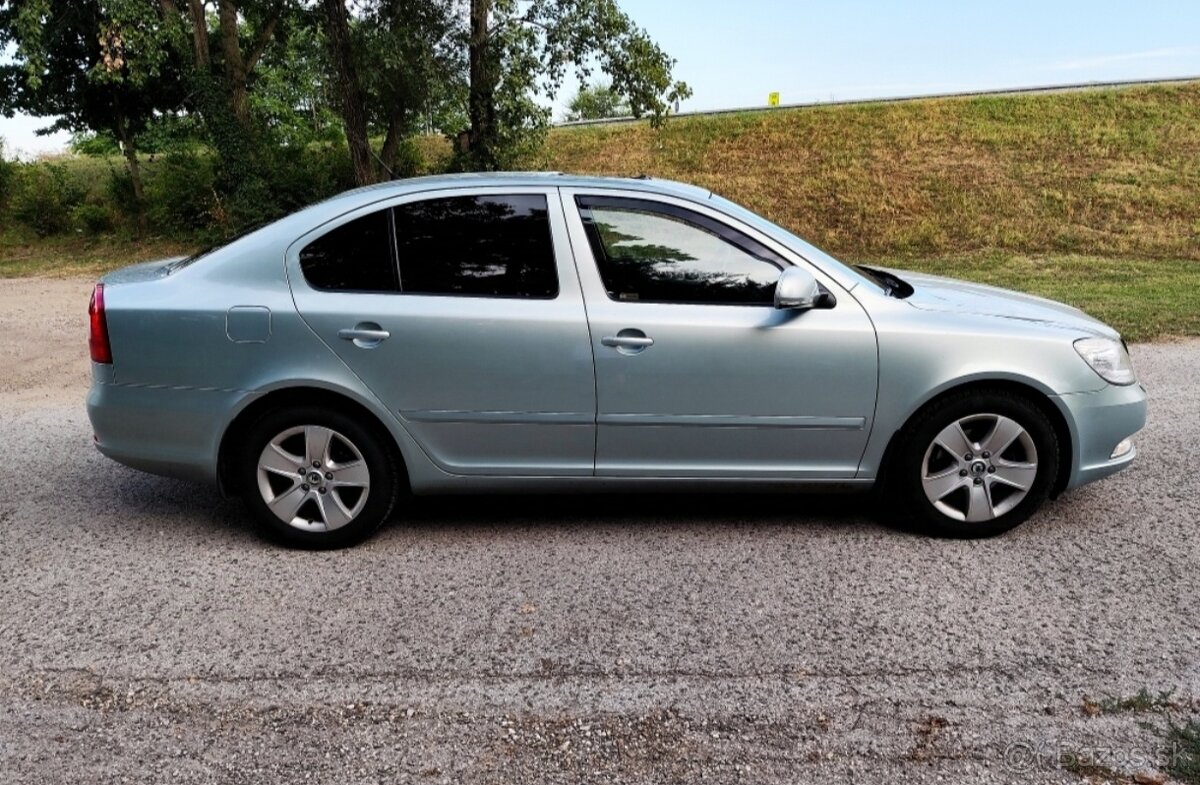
(496, 246)
(652, 252)
(356, 256)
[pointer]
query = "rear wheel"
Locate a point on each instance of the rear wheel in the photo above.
(317, 478)
(976, 464)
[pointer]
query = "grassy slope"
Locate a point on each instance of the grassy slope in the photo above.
(1088, 197)
(1114, 172)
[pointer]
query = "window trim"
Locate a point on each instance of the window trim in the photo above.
(743, 242)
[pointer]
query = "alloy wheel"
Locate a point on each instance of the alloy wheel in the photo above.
(979, 467)
(313, 478)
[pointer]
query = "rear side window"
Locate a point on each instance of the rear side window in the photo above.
(356, 257)
(485, 246)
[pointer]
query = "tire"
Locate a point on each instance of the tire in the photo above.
(340, 501)
(942, 479)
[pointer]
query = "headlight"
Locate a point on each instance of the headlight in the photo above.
(1108, 358)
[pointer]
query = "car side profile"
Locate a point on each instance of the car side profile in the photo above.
(543, 332)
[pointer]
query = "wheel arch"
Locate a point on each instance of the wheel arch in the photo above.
(1040, 398)
(295, 396)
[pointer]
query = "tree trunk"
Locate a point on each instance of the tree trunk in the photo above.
(350, 92)
(135, 171)
(481, 104)
(199, 33)
(391, 144)
(235, 66)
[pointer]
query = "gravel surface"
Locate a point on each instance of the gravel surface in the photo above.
(149, 636)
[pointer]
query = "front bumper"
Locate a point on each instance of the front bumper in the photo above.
(1100, 421)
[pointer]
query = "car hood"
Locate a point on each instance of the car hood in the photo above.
(937, 293)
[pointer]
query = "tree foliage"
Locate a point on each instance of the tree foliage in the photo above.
(519, 50)
(250, 82)
(596, 102)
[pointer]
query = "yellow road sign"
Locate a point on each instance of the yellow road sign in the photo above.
(773, 99)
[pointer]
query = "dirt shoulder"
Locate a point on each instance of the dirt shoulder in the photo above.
(44, 351)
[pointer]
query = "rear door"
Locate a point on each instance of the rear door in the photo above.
(697, 374)
(462, 312)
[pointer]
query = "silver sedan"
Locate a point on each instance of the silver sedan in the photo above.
(544, 333)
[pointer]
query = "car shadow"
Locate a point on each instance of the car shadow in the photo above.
(640, 509)
(150, 502)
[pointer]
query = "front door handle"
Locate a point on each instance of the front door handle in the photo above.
(365, 335)
(628, 341)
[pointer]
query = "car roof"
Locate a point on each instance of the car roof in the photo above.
(540, 179)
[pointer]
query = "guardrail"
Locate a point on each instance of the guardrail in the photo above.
(1061, 88)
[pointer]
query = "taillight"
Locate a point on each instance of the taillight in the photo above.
(98, 336)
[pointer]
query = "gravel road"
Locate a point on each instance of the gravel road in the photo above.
(147, 635)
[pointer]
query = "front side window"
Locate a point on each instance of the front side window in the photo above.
(354, 257)
(489, 246)
(654, 252)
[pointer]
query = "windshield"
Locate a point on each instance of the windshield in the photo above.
(802, 246)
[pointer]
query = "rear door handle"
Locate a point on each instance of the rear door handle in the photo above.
(628, 341)
(364, 336)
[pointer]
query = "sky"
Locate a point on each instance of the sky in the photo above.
(733, 54)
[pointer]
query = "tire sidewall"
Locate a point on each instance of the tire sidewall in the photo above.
(381, 496)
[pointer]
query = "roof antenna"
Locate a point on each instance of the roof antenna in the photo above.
(643, 176)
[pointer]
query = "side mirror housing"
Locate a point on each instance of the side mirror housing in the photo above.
(797, 290)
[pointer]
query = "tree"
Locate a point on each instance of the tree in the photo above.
(393, 65)
(596, 102)
(512, 44)
(77, 62)
(351, 99)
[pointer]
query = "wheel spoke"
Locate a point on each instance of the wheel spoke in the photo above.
(353, 474)
(332, 510)
(286, 505)
(939, 486)
(980, 506)
(1018, 475)
(1004, 433)
(279, 461)
(954, 440)
(316, 445)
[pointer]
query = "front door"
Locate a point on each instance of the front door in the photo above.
(462, 312)
(697, 374)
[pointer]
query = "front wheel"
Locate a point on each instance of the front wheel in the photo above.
(316, 478)
(976, 464)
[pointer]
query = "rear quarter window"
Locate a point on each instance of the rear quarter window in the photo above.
(355, 257)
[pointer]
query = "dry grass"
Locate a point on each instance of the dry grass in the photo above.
(80, 256)
(1112, 172)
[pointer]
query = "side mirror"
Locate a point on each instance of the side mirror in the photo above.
(797, 289)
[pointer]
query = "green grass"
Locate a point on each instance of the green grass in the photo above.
(1142, 701)
(1183, 745)
(1144, 300)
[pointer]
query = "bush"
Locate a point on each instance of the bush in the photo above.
(179, 193)
(8, 172)
(93, 218)
(300, 176)
(43, 198)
